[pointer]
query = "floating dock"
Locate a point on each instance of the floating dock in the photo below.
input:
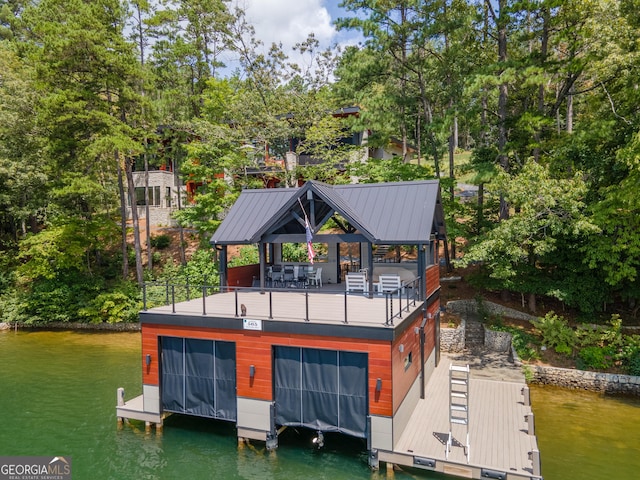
(502, 441)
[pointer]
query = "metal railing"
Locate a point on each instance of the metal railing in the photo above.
(155, 294)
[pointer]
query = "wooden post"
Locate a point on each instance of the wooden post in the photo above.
(527, 396)
(147, 427)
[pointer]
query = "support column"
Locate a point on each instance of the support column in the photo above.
(223, 267)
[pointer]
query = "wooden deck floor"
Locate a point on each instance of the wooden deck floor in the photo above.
(291, 306)
(497, 428)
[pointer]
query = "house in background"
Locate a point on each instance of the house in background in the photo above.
(269, 163)
(297, 354)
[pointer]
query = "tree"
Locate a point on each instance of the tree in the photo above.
(519, 251)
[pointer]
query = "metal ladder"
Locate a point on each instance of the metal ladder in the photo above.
(458, 403)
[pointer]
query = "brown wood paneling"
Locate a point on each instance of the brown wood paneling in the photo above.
(404, 376)
(242, 276)
(433, 279)
(255, 348)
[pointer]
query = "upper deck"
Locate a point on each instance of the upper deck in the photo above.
(323, 311)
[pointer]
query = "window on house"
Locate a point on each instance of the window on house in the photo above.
(408, 360)
(154, 196)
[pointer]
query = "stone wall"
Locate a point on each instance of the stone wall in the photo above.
(452, 339)
(497, 341)
(582, 380)
(566, 377)
(471, 306)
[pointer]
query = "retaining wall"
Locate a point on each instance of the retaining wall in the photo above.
(452, 339)
(583, 380)
(471, 306)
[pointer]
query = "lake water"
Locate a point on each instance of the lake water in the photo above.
(58, 395)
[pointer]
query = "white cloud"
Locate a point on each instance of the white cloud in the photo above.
(290, 22)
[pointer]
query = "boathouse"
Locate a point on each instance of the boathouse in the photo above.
(345, 344)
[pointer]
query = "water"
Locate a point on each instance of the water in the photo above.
(58, 395)
(584, 435)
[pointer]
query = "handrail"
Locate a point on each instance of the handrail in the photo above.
(397, 302)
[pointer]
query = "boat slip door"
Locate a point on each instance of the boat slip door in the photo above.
(324, 390)
(199, 377)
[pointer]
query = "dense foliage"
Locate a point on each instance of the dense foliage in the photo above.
(545, 95)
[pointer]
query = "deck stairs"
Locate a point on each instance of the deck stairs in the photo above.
(458, 405)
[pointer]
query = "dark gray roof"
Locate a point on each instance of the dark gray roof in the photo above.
(385, 213)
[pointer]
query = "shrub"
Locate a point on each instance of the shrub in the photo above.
(633, 363)
(595, 358)
(556, 333)
(112, 307)
(160, 241)
(524, 343)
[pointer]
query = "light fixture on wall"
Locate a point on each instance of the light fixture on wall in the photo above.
(147, 359)
(401, 347)
(252, 371)
(378, 384)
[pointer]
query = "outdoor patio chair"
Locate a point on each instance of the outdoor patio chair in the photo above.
(389, 284)
(356, 283)
(277, 276)
(315, 278)
(289, 275)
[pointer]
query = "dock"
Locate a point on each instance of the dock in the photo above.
(502, 441)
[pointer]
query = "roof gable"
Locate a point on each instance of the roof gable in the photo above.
(400, 212)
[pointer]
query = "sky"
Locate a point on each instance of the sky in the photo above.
(291, 21)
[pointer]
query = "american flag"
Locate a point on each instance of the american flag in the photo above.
(310, 253)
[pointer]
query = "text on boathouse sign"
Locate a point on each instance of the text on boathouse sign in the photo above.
(250, 324)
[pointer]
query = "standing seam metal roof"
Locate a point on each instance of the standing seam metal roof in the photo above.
(400, 212)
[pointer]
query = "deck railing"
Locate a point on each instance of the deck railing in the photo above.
(155, 294)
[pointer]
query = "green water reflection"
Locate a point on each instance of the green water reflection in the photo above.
(58, 395)
(584, 435)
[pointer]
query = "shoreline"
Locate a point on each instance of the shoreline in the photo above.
(75, 326)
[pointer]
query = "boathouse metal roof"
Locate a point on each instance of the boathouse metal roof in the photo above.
(383, 213)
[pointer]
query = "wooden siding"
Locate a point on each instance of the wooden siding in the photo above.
(433, 279)
(255, 348)
(403, 377)
(242, 276)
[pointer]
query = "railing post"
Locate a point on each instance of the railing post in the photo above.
(270, 305)
(144, 296)
(188, 294)
(399, 303)
(346, 320)
(173, 299)
(204, 300)
(306, 301)
(166, 293)
(235, 293)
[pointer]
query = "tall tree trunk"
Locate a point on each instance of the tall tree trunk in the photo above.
(134, 218)
(502, 101)
(452, 188)
(123, 218)
(147, 220)
(176, 176)
(480, 215)
(544, 46)
(570, 111)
